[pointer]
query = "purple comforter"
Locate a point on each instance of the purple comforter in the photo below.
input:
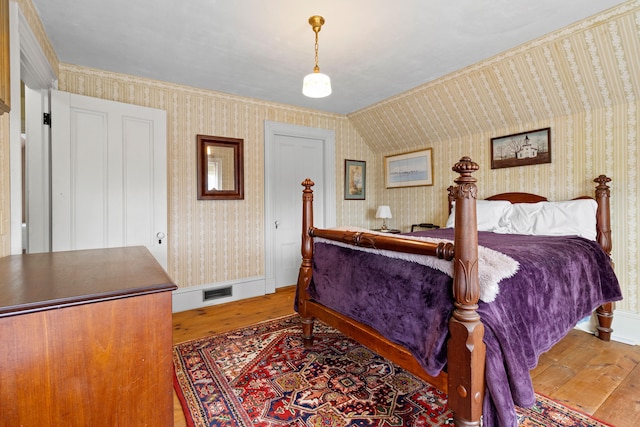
(560, 281)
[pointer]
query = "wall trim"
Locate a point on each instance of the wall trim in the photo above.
(35, 69)
(192, 297)
(30, 65)
(625, 326)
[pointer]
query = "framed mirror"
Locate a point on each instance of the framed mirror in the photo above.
(220, 168)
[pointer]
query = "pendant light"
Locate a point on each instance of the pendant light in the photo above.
(316, 84)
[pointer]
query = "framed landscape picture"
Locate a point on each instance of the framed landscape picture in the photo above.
(409, 169)
(355, 179)
(520, 149)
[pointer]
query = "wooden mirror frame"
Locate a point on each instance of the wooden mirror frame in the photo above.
(237, 192)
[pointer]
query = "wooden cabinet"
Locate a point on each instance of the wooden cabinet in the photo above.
(86, 339)
(5, 69)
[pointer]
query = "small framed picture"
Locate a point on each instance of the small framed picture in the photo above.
(355, 179)
(409, 169)
(520, 149)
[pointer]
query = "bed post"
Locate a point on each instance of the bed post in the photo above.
(465, 348)
(604, 313)
(603, 214)
(304, 275)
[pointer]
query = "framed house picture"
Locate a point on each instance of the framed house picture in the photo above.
(409, 169)
(520, 149)
(355, 179)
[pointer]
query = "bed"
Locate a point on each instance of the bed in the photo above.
(431, 316)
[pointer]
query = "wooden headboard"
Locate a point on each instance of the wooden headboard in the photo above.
(518, 197)
(510, 197)
(603, 214)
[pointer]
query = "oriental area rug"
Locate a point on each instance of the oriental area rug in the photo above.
(262, 376)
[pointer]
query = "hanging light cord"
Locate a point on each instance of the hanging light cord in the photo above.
(316, 69)
(316, 23)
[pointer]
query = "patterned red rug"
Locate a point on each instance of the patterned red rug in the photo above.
(262, 376)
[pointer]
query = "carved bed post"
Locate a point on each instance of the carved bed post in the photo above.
(304, 275)
(465, 348)
(604, 313)
(603, 216)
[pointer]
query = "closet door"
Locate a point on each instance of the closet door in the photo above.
(108, 169)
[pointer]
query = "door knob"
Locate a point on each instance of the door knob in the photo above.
(160, 235)
(277, 224)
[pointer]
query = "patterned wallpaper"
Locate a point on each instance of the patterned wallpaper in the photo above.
(214, 241)
(582, 81)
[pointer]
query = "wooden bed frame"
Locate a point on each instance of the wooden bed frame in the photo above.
(464, 380)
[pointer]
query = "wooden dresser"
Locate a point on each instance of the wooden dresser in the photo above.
(85, 339)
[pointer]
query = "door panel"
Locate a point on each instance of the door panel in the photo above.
(108, 175)
(137, 179)
(296, 158)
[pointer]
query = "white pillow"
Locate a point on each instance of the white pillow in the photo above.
(491, 215)
(569, 218)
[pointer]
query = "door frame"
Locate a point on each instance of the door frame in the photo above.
(37, 173)
(30, 65)
(271, 130)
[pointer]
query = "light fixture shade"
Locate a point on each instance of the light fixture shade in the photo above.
(316, 85)
(383, 212)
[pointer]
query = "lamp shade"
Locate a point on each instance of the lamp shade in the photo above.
(316, 85)
(383, 212)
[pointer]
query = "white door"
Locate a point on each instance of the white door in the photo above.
(295, 159)
(293, 153)
(108, 182)
(37, 173)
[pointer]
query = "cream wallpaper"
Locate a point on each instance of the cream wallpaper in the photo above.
(214, 241)
(582, 81)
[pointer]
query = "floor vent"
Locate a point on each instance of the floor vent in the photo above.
(216, 293)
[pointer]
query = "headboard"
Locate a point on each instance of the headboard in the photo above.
(603, 214)
(514, 197)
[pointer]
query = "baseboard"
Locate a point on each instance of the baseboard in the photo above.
(625, 327)
(221, 292)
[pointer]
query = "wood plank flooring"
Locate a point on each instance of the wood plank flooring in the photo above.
(598, 378)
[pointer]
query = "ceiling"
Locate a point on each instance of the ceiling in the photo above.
(371, 49)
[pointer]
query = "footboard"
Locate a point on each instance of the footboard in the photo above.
(466, 351)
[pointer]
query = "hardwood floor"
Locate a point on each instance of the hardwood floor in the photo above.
(598, 378)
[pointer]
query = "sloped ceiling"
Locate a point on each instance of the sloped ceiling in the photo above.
(586, 66)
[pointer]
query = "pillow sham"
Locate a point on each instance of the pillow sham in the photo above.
(567, 218)
(491, 215)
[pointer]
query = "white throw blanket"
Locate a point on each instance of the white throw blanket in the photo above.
(493, 266)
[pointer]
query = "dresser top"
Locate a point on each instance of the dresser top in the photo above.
(36, 282)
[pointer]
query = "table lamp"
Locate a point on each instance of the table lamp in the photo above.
(384, 212)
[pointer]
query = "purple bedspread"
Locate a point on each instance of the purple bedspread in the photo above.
(560, 281)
